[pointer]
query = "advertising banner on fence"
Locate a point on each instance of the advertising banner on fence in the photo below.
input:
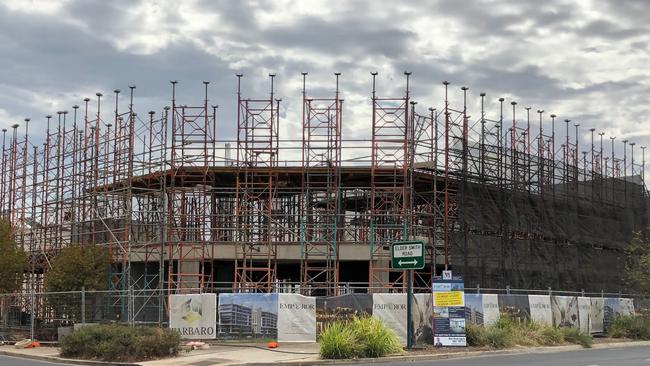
(341, 308)
(597, 315)
(490, 308)
(481, 309)
(565, 311)
(194, 316)
(610, 305)
(449, 312)
(626, 306)
(540, 309)
(391, 309)
(614, 306)
(474, 309)
(296, 318)
(422, 316)
(248, 316)
(584, 314)
(515, 306)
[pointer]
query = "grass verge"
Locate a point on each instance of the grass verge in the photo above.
(508, 332)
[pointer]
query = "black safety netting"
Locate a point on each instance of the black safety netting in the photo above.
(568, 237)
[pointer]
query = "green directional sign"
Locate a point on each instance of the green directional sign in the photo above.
(407, 255)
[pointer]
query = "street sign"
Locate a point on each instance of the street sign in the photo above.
(407, 255)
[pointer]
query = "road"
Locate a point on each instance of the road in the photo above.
(628, 356)
(14, 361)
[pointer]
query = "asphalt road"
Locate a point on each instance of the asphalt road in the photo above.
(13, 361)
(628, 356)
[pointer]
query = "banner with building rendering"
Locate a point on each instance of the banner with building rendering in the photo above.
(613, 306)
(297, 318)
(481, 309)
(248, 316)
(474, 309)
(194, 316)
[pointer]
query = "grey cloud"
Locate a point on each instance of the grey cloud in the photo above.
(236, 14)
(627, 11)
(340, 37)
(609, 30)
(485, 19)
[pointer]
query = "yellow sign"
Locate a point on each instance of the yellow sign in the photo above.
(451, 298)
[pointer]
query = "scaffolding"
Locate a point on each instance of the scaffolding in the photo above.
(321, 195)
(257, 197)
(502, 200)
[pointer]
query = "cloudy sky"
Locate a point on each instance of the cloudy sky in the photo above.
(583, 60)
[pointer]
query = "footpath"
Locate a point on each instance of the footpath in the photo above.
(305, 354)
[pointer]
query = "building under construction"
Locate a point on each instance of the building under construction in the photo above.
(514, 199)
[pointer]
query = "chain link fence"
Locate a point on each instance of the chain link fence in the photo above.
(56, 312)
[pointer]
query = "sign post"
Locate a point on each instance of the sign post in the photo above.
(409, 306)
(408, 255)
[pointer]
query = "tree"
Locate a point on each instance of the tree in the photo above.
(13, 260)
(77, 267)
(637, 266)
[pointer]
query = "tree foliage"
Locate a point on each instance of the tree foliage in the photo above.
(13, 260)
(637, 267)
(79, 266)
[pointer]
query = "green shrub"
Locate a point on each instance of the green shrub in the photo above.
(496, 337)
(120, 343)
(628, 326)
(339, 341)
(528, 333)
(505, 322)
(476, 335)
(360, 337)
(574, 335)
(551, 336)
(376, 339)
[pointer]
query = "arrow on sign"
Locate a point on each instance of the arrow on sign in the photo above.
(413, 262)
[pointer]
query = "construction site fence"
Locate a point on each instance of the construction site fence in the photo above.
(53, 310)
